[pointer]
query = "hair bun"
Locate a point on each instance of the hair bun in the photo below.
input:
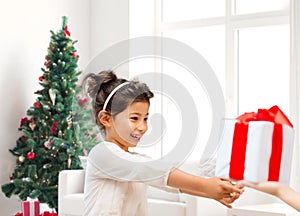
(106, 77)
(96, 81)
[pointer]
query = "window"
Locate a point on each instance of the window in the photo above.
(246, 42)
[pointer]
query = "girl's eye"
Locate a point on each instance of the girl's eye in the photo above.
(134, 118)
(145, 119)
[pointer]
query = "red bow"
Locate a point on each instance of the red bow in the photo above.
(66, 31)
(274, 114)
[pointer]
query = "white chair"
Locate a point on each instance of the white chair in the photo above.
(270, 209)
(70, 198)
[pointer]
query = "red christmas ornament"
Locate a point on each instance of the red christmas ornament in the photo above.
(47, 64)
(19, 214)
(39, 91)
(53, 127)
(74, 55)
(23, 120)
(41, 78)
(37, 104)
(30, 155)
(83, 101)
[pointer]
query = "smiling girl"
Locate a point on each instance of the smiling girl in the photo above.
(116, 178)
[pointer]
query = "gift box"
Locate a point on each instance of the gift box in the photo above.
(30, 208)
(46, 213)
(256, 147)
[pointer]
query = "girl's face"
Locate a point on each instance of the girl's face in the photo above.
(129, 126)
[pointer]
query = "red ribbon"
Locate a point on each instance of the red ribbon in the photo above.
(238, 152)
(26, 208)
(239, 143)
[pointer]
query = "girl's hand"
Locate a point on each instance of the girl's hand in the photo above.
(229, 200)
(222, 190)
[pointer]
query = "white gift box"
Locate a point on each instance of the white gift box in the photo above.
(255, 151)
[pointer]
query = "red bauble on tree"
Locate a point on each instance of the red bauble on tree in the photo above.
(30, 155)
(37, 104)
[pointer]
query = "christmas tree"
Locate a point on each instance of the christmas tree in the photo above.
(87, 135)
(50, 133)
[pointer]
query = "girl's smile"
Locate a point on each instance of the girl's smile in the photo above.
(128, 127)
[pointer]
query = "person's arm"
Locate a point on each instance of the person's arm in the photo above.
(283, 192)
(225, 201)
(215, 188)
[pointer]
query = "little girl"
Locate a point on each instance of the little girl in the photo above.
(117, 179)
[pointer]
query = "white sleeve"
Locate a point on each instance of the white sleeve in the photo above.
(161, 183)
(119, 165)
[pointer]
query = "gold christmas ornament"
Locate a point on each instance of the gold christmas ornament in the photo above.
(21, 158)
(69, 121)
(51, 47)
(52, 96)
(45, 81)
(32, 125)
(69, 161)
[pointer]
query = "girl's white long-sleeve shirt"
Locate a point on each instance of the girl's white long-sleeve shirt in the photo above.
(116, 181)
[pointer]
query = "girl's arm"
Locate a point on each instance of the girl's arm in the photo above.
(283, 192)
(215, 188)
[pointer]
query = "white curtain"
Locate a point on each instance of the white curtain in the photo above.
(295, 88)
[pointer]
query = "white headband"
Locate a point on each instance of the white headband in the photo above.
(112, 93)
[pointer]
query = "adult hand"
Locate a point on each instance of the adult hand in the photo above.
(269, 187)
(283, 192)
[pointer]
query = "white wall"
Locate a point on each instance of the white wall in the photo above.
(25, 37)
(109, 22)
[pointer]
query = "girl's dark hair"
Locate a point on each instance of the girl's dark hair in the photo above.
(99, 86)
